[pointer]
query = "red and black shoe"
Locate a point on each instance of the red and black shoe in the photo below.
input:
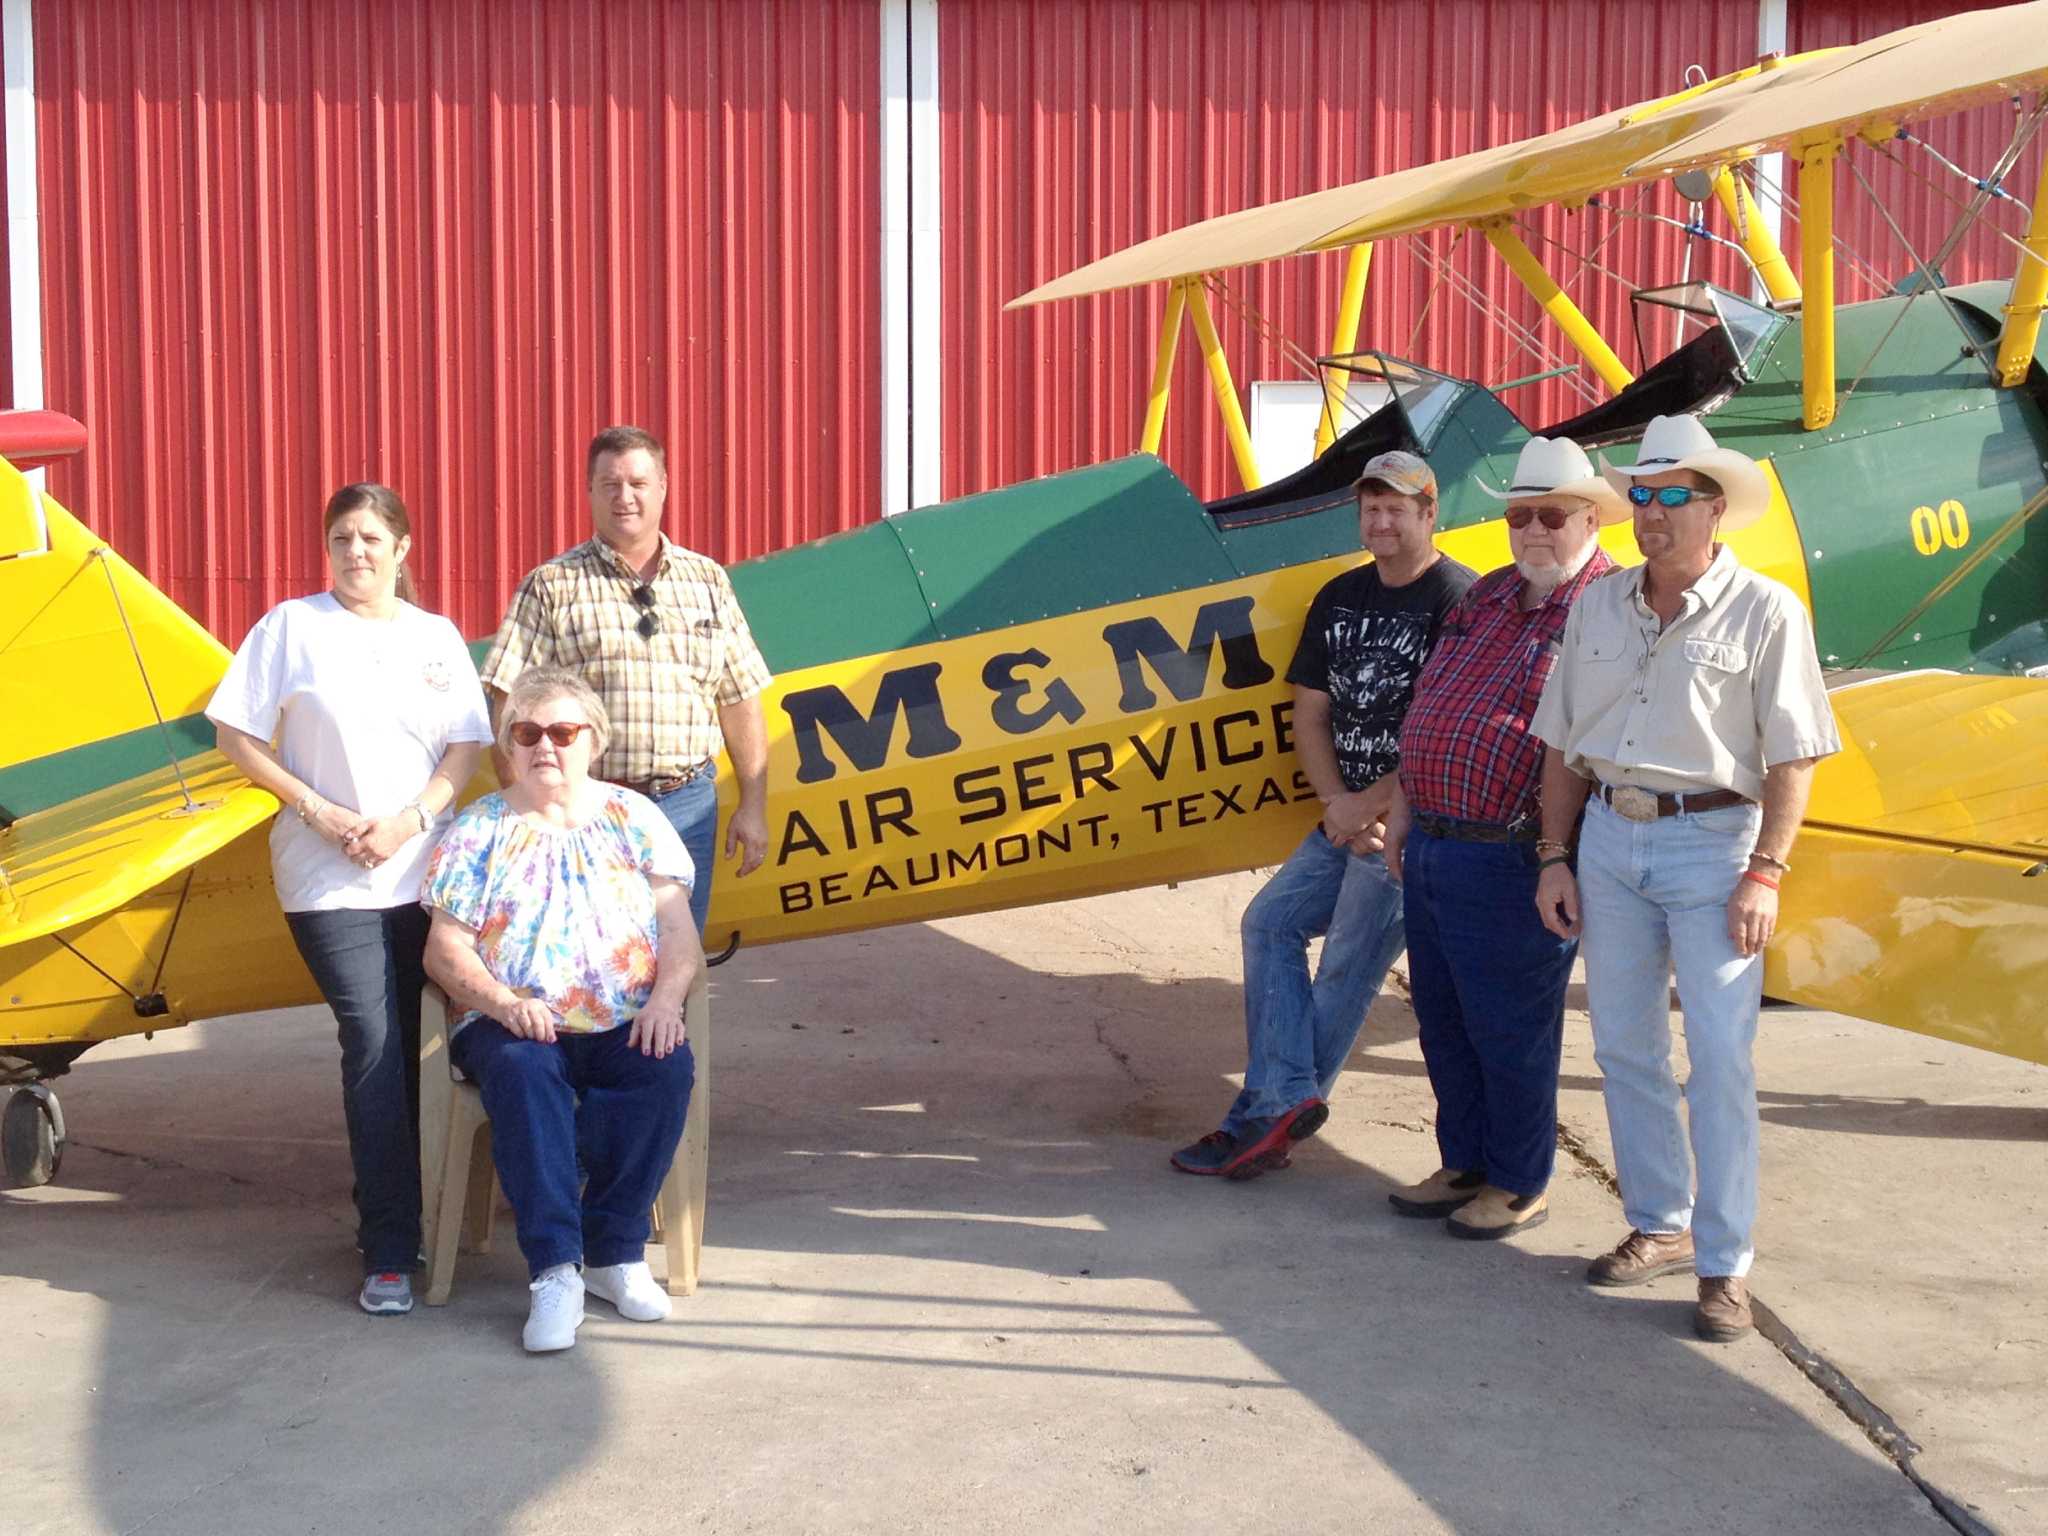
(1268, 1149)
(1206, 1156)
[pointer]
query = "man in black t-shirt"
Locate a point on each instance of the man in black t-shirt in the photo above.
(1363, 644)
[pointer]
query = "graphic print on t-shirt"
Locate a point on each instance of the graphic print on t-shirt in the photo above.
(1364, 644)
(1374, 661)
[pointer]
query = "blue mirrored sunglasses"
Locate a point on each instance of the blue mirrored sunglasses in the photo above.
(1666, 495)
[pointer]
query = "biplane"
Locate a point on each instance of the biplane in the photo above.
(1073, 685)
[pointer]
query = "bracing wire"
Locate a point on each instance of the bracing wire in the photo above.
(1864, 267)
(1435, 282)
(1527, 339)
(1270, 333)
(102, 554)
(1927, 279)
(1996, 190)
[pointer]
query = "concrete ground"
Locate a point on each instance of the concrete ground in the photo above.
(951, 1285)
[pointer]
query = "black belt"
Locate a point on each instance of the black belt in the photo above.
(667, 784)
(1636, 804)
(1475, 831)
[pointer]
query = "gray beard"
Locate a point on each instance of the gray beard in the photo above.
(1546, 579)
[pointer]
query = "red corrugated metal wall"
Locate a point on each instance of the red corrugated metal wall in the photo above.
(6, 255)
(1075, 127)
(288, 243)
(1921, 194)
(293, 243)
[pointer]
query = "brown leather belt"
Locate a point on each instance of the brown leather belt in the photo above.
(1632, 803)
(667, 784)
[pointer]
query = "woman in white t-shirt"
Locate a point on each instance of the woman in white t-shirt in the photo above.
(363, 714)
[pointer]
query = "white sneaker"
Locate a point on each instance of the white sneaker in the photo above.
(630, 1288)
(556, 1311)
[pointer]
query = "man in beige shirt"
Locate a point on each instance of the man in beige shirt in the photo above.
(657, 632)
(1688, 704)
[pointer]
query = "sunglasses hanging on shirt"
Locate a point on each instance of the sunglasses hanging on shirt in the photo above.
(650, 615)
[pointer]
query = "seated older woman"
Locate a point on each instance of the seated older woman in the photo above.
(562, 933)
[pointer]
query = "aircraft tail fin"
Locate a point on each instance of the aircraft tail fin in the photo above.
(102, 677)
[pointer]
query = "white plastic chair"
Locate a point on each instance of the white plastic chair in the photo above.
(459, 1183)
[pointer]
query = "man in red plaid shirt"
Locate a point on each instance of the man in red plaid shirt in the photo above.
(1488, 979)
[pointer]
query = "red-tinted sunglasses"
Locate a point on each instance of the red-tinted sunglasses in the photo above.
(1554, 518)
(527, 733)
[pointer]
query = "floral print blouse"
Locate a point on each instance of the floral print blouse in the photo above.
(564, 914)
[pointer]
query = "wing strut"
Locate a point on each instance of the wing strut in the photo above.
(1578, 330)
(1817, 266)
(1225, 389)
(1756, 237)
(1162, 365)
(1350, 307)
(150, 1004)
(2029, 293)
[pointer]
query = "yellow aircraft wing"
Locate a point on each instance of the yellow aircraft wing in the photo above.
(90, 855)
(1939, 67)
(119, 884)
(1922, 871)
(126, 911)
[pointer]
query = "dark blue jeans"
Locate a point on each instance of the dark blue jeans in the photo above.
(368, 967)
(1488, 981)
(594, 1092)
(693, 812)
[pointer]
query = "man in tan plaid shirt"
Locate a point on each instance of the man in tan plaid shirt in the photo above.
(656, 630)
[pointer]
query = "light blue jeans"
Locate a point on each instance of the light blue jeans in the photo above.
(693, 812)
(1654, 898)
(1298, 1032)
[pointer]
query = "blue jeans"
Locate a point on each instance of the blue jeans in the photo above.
(693, 812)
(368, 966)
(1654, 897)
(1298, 1033)
(1488, 982)
(593, 1092)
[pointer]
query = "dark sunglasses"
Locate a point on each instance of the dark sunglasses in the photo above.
(527, 733)
(650, 619)
(1666, 495)
(1554, 518)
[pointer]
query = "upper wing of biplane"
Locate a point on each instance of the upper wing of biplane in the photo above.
(1939, 67)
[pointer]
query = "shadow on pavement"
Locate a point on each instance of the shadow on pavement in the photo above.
(948, 1269)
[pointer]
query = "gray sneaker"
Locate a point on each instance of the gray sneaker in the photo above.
(388, 1294)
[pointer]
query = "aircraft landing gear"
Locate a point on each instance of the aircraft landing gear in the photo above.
(32, 1136)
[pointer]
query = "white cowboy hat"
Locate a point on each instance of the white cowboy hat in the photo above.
(1683, 442)
(1557, 466)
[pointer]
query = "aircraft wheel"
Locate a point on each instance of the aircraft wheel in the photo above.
(31, 1136)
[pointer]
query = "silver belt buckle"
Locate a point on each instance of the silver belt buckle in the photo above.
(1631, 803)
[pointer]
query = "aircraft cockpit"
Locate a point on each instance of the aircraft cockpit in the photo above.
(1711, 343)
(1708, 342)
(1409, 407)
